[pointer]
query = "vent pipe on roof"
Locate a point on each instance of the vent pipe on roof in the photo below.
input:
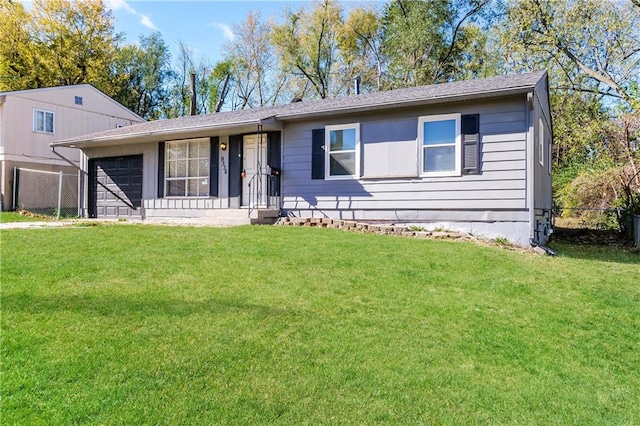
(193, 93)
(356, 85)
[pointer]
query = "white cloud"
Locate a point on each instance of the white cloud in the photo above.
(144, 20)
(226, 30)
(122, 4)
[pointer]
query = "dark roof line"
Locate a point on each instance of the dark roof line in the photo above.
(445, 92)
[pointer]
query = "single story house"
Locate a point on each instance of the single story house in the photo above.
(469, 155)
(31, 119)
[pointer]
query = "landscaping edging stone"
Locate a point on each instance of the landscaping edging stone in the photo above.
(367, 228)
(399, 230)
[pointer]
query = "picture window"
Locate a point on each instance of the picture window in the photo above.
(187, 168)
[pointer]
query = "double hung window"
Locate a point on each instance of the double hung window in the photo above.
(187, 168)
(342, 143)
(43, 121)
(541, 142)
(440, 142)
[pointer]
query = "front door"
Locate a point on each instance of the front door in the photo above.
(252, 185)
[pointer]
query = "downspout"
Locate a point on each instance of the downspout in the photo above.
(53, 149)
(546, 249)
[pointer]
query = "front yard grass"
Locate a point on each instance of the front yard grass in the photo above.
(177, 325)
(6, 217)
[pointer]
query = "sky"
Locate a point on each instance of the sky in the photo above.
(202, 25)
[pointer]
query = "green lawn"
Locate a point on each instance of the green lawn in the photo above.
(131, 324)
(6, 217)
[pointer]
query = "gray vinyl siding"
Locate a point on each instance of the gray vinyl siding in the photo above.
(497, 193)
(542, 190)
(149, 154)
(542, 179)
(151, 202)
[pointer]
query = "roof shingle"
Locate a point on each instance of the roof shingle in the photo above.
(446, 92)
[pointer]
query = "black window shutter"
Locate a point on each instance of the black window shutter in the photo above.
(160, 169)
(317, 154)
(273, 160)
(273, 149)
(471, 144)
(213, 166)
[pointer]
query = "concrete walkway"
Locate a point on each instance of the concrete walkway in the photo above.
(97, 222)
(48, 224)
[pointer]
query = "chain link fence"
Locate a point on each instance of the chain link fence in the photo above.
(53, 194)
(589, 218)
(599, 223)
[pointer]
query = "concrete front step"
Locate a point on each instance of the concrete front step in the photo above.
(222, 217)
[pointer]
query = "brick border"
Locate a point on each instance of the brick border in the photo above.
(368, 228)
(403, 231)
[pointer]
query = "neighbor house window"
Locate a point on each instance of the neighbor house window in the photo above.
(78, 100)
(440, 140)
(341, 146)
(187, 168)
(43, 121)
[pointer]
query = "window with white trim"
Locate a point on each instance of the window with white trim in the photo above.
(78, 100)
(440, 140)
(342, 159)
(541, 142)
(43, 121)
(187, 168)
(549, 155)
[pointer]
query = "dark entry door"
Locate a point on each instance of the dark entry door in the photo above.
(116, 187)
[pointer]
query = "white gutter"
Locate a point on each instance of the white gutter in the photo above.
(383, 104)
(173, 131)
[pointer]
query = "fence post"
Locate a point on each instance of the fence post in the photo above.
(15, 188)
(59, 195)
(79, 189)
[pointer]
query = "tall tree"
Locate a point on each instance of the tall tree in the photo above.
(220, 81)
(592, 46)
(75, 42)
(425, 41)
(18, 63)
(179, 90)
(359, 42)
(592, 49)
(256, 77)
(142, 73)
(307, 43)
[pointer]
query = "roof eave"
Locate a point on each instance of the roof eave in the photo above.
(176, 133)
(143, 136)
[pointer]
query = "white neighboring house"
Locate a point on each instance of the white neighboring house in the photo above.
(31, 119)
